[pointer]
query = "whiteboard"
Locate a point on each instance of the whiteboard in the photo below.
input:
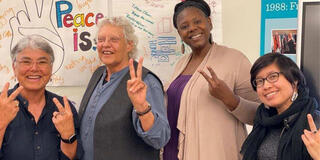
(70, 28)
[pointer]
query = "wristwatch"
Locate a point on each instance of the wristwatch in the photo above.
(70, 140)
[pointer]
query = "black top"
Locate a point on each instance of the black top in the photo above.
(291, 122)
(269, 146)
(25, 139)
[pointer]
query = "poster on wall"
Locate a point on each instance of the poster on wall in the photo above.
(279, 25)
(159, 42)
(70, 27)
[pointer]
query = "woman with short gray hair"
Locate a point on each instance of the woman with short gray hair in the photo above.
(35, 123)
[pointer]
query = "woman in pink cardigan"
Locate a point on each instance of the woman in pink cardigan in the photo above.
(209, 96)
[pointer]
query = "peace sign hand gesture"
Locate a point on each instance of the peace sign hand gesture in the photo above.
(136, 88)
(312, 139)
(9, 107)
(219, 89)
(63, 120)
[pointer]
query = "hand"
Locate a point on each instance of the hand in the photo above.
(136, 88)
(36, 20)
(63, 120)
(220, 90)
(9, 107)
(312, 139)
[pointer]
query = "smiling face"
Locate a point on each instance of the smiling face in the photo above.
(113, 48)
(194, 27)
(276, 94)
(33, 69)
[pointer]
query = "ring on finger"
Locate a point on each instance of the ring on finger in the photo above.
(59, 113)
(17, 103)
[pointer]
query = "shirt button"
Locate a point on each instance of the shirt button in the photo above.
(38, 147)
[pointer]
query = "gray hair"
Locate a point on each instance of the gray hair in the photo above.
(128, 31)
(32, 41)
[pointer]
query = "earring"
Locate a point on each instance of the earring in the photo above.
(294, 96)
(182, 48)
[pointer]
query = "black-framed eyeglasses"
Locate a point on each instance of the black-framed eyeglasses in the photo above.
(271, 78)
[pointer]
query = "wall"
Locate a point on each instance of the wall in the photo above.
(241, 30)
(241, 26)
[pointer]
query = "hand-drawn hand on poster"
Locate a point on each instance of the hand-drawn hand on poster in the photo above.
(70, 28)
(36, 20)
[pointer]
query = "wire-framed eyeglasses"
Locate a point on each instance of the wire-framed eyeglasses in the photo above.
(26, 63)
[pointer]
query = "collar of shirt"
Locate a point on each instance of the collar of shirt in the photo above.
(23, 103)
(114, 75)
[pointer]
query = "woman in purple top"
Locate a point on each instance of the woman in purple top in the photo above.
(209, 94)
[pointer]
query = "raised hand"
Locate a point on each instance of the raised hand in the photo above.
(220, 90)
(36, 20)
(63, 120)
(9, 107)
(136, 88)
(312, 139)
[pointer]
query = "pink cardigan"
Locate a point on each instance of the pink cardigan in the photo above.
(208, 130)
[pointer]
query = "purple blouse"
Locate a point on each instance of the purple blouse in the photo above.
(174, 93)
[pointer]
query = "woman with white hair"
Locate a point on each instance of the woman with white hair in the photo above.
(122, 111)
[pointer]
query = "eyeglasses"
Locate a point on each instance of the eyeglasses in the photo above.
(112, 39)
(30, 63)
(271, 78)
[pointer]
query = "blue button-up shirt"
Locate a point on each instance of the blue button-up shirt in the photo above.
(25, 139)
(157, 136)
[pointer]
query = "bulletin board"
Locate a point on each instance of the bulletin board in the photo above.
(279, 24)
(70, 28)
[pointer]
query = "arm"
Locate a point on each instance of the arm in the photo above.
(76, 121)
(63, 121)
(159, 133)
(146, 120)
(249, 101)
(2, 131)
(9, 108)
(240, 99)
(153, 127)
